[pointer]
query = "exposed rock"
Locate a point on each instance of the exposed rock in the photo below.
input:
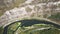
(9, 4)
(34, 8)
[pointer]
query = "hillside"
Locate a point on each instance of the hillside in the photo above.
(31, 8)
(15, 10)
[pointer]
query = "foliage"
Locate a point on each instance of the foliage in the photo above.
(13, 27)
(1, 30)
(33, 29)
(55, 16)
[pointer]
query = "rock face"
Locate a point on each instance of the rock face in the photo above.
(6, 3)
(29, 8)
(9, 4)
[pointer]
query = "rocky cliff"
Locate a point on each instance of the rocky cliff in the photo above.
(28, 8)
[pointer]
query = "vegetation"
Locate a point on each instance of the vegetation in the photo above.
(16, 28)
(13, 27)
(55, 16)
(34, 29)
(1, 30)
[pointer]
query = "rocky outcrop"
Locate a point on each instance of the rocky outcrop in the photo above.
(30, 8)
(9, 4)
